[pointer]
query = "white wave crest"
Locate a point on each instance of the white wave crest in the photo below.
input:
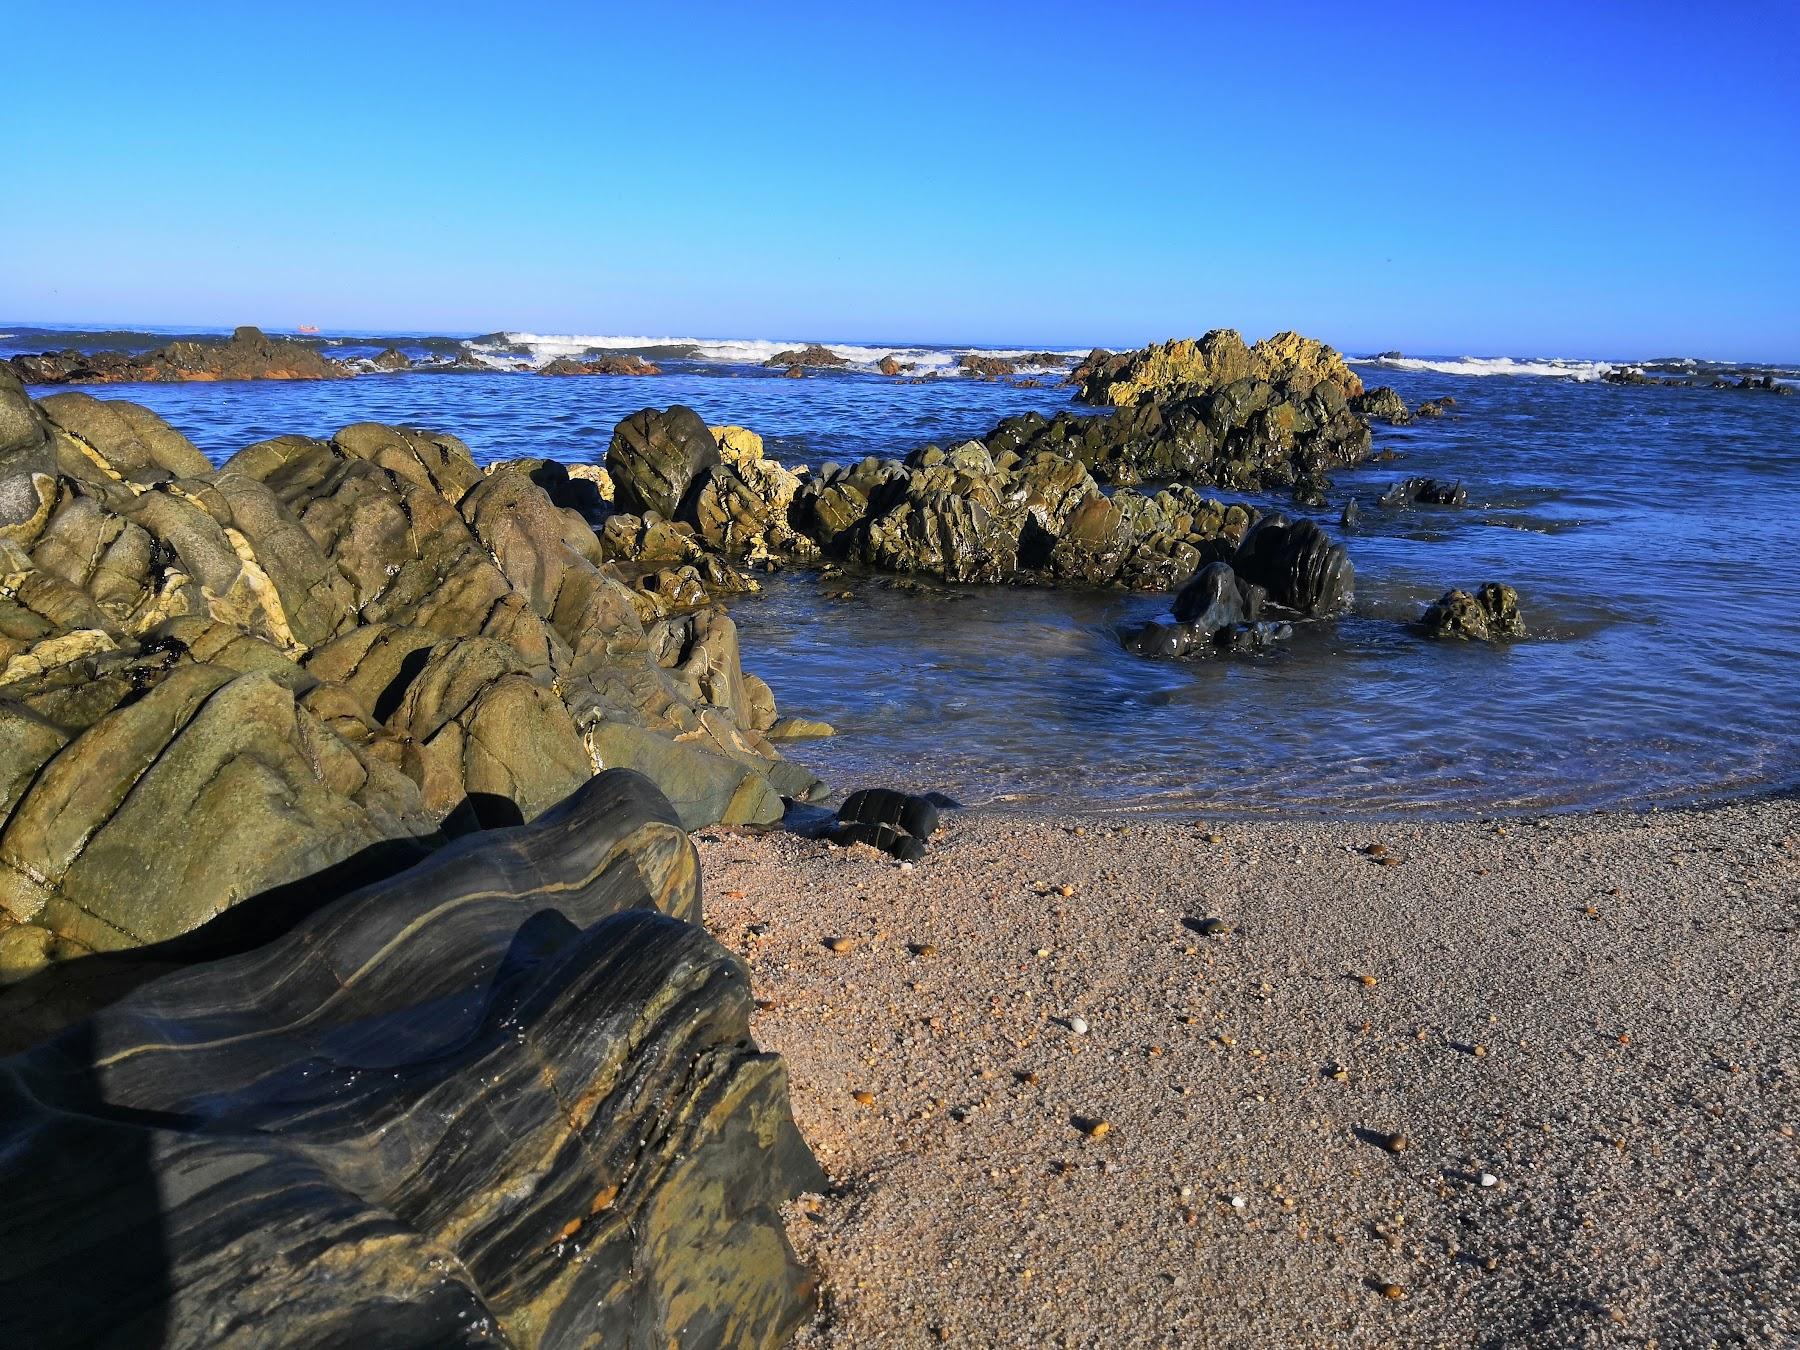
(540, 348)
(1554, 367)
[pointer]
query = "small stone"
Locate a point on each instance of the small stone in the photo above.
(1367, 981)
(1395, 1143)
(1215, 838)
(1238, 1202)
(839, 944)
(1042, 953)
(1078, 1025)
(924, 949)
(1393, 1292)
(1488, 1179)
(863, 1098)
(1065, 891)
(1212, 928)
(1376, 850)
(1096, 1129)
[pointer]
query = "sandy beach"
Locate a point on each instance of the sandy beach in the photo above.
(1534, 1082)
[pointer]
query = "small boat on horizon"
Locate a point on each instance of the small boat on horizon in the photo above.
(310, 329)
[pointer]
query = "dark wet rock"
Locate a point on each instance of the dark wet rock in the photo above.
(897, 823)
(1389, 356)
(1427, 491)
(322, 647)
(1218, 598)
(249, 354)
(506, 1095)
(1382, 404)
(656, 456)
(1351, 516)
(391, 358)
(811, 356)
(889, 366)
(1435, 407)
(1627, 375)
(1491, 613)
(1296, 564)
(794, 373)
(611, 364)
(1181, 641)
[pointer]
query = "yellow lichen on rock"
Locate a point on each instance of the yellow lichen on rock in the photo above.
(1220, 358)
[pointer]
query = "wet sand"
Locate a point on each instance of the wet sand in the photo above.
(1597, 1013)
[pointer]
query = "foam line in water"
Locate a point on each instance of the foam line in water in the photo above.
(1556, 367)
(539, 348)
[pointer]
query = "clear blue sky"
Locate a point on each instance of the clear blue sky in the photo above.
(1570, 179)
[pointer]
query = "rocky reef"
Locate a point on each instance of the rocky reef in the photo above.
(600, 365)
(322, 646)
(812, 356)
(249, 355)
(1489, 614)
(1212, 410)
(505, 1096)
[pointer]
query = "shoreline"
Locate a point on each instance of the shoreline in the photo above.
(1595, 1010)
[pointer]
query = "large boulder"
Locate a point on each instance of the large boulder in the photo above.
(507, 1095)
(320, 648)
(1194, 365)
(656, 456)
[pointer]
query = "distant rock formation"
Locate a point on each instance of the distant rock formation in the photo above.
(600, 365)
(248, 354)
(811, 356)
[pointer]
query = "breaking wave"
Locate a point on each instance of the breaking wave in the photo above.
(1555, 367)
(505, 349)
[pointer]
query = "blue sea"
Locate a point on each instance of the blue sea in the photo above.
(1653, 535)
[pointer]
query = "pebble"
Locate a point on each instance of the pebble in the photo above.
(863, 1098)
(1096, 1129)
(1078, 1025)
(839, 944)
(924, 949)
(1367, 981)
(1395, 1143)
(1393, 1291)
(1238, 1202)
(1042, 953)
(1212, 928)
(1488, 1179)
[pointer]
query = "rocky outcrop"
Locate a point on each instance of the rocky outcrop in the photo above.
(1435, 407)
(1188, 366)
(1382, 404)
(812, 356)
(320, 647)
(1489, 614)
(248, 354)
(1217, 611)
(1213, 411)
(506, 1096)
(391, 358)
(615, 364)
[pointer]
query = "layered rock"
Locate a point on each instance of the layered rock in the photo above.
(1492, 612)
(249, 354)
(507, 1095)
(319, 647)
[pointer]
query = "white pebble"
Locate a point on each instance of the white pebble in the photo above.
(1489, 1179)
(1187, 1192)
(1078, 1025)
(1238, 1202)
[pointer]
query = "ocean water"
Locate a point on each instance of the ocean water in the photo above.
(1652, 533)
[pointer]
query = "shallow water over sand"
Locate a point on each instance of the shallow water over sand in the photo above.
(1651, 534)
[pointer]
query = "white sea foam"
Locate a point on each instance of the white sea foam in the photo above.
(545, 347)
(1556, 367)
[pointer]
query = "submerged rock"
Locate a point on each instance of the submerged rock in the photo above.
(1491, 613)
(506, 1095)
(1435, 407)
(1431, 491)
